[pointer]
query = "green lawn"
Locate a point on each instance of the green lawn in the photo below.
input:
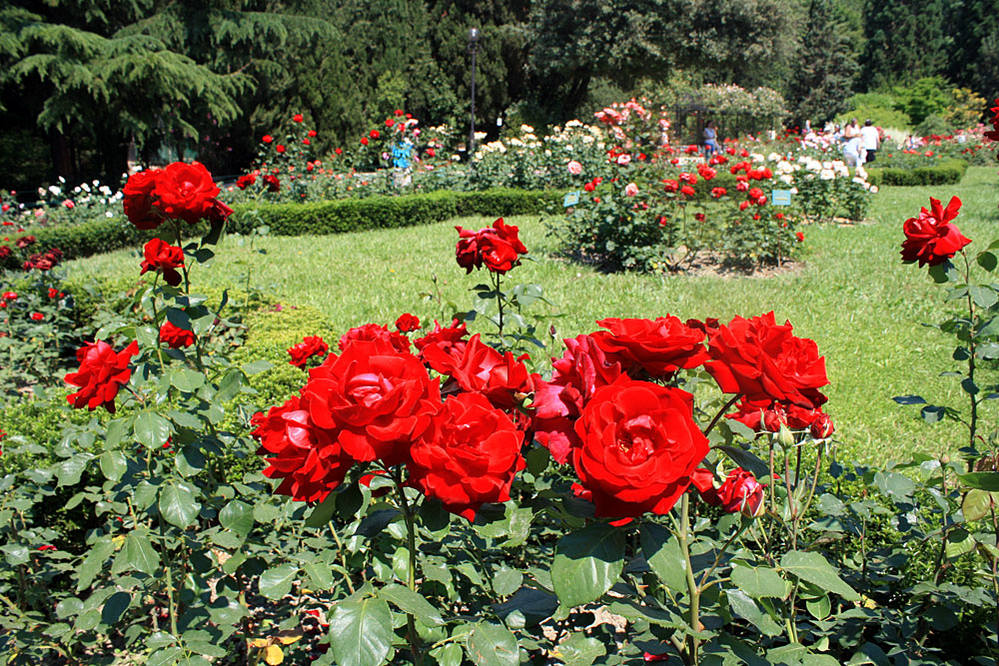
(851, 294)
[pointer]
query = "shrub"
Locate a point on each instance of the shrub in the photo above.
(951, 171)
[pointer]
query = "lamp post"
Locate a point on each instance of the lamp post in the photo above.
(473, 47)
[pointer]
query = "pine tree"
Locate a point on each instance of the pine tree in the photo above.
(823, 78)
(906, 41)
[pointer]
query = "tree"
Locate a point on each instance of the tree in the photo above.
(823, 79)
(906, 41)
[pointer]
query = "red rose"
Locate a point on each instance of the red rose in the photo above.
(37, 316)
(9, 296)
(557, 404)
(407, 322)
(273, 184)
(373, 400)
(389, 122)
(740, 491)
(430, 152)
(497, 247)
(764, 362)
(501, 378)
(245, 181)
(687, 190)
(160, 256)
(138, 199)
(297, 118)
(308, 459)
(930, 238)
(374, 332)
(718, 192)
(312, 133)
(671, 185)
(654, 347)
(279, 148)
(185, 191)
(374, 134)
(175, 336)
(54, 293)
(310, 346)
(469, 455)
(800, 236)
(450, 340)
(267, 138)
(102, 373)
(639, 445)
(364, 141)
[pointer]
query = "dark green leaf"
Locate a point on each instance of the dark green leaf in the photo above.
(662, 552)
(587, 563)
(136, 553)
(909, 400)
(759, 582)
(361, 632)
(987, 260)
(114, 607)
(981, 480)
(814, 568)
(746, 460)
(178, 505)
(276, 581)
(237, 516)
(413, 603)
(746, 608)
(492, 645)
(151, 429)
(113, 465)
(579, 650)
(984, 297)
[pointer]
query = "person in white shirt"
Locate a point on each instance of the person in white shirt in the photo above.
(869, 136)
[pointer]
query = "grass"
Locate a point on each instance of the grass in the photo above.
(851, 294)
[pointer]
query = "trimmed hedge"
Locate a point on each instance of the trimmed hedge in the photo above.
(323, 217)
(946, 173)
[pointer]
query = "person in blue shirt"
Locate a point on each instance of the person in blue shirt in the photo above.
(710, 139)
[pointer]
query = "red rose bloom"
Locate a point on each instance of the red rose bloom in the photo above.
(765, 362)
(639, 445)
(557, 404)
(102, 373)
(501, 378)
(671, 185)
(160, 256)
(931, 238)
(364, 141)
(185, 191)
(37, 316)
(374, 332)
(311, 133)
(718, 192)
(267, 138)
(497, 247)
(297, 118)
(374, 134)
(307, 458)
(279, 148)
(310, 346)
(469, 455)
(273, 184)
(654, 347)
(138, 199)
(687, 190)
(245, 181)
(451, 340)
(373, 400)
(407, 322)
(740, 491)
(175, 336)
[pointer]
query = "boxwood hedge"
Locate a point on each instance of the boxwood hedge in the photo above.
(946, 173)
(322, 217)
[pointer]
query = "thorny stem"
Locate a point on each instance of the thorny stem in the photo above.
(995, 560)
(973, 426)
(499, 304)
(721, 412)
(938, 576)
(183, 266)
(343, 558)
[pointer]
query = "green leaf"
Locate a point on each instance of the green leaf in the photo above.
(814, 568)
(136, 553)
(178, 505)
(15, 553)
(319, 574)
(115, 607)
(187, 380)
(276, 581)
(492, 645)
(580, 650)
(759, 582)
(322, 513)
(93, 563)
(981, 480)
(231, 382)
(587, 563)
(69, 471)
(361, 632)
(113, 465)
(987, 260)
(746, 608)
(746, 460)
(820, 607)
(447, 655)
(151, 429)
(984, 297)
(237, 516)
(256, 367)
(977, 504)
(662, 552)
(413, 603)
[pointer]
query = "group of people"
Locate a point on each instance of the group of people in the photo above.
(860, 144)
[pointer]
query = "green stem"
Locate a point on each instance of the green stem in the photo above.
(721, 412)
(168, 570)
(183, 266)
(407, 513)
(499, 304)
(695, 593)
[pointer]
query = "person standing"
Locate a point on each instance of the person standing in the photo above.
(710, 139)
(871, 140)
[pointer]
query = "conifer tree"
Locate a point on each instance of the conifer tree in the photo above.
(822, 80)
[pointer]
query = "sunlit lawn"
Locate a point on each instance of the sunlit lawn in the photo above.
(851, 294)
